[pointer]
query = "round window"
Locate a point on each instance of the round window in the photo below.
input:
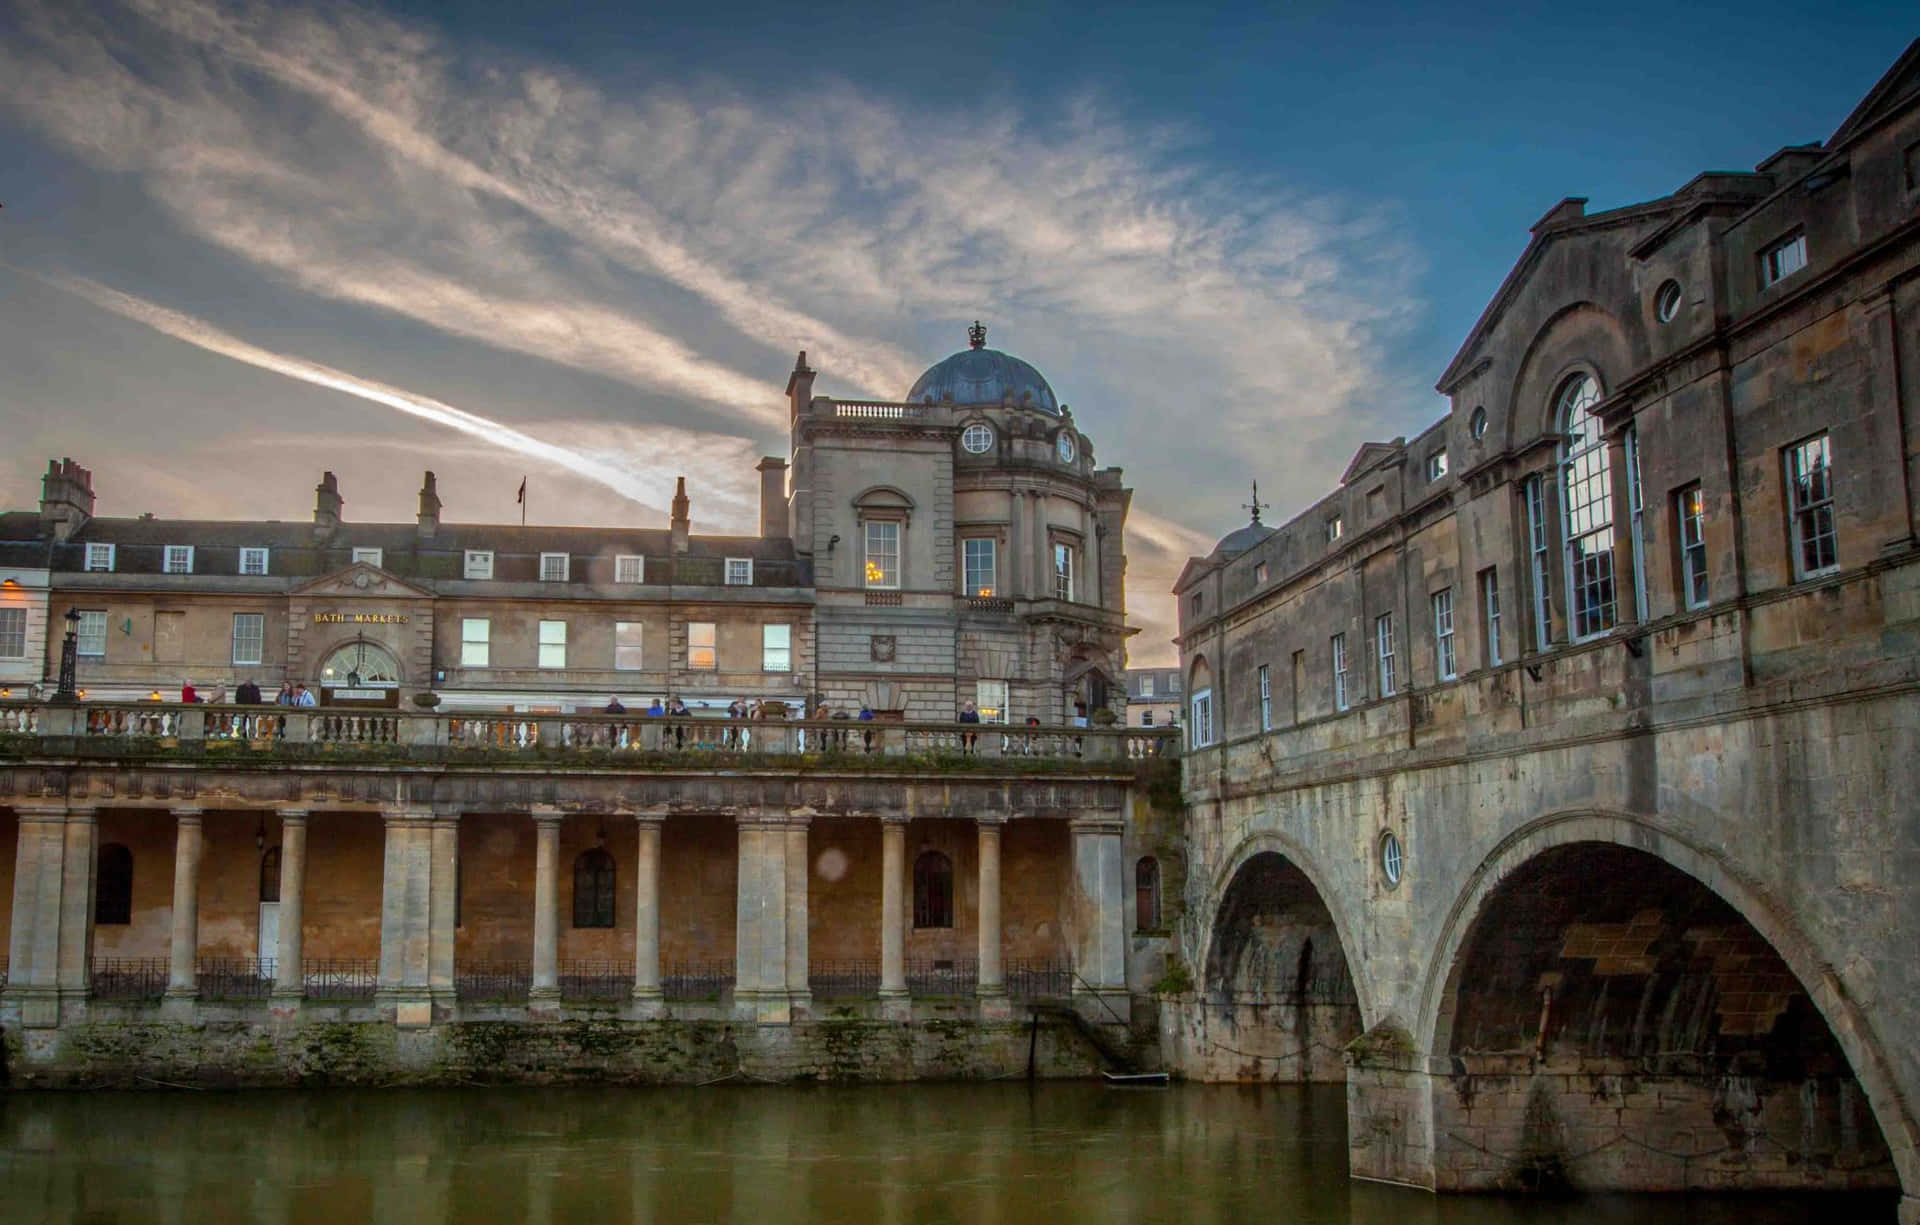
(1066, 448)
(1478, 422)
(1666, 301)
(1390, 858)
(977, 438)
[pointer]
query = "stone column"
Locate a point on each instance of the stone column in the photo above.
(76, 904)
(289, 956)
(444, 841)
(1013, 567)
(185, 943)
(894, 1001)
(991, 983)
(545, 994)
(1099, 916)
(760, 923)
(799, 986)
(406, 917)
(33, 940)
(648, 1002)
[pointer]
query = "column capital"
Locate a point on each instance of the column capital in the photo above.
(81, 814)
(546, 814)
(55, 812)
(992, 820)
(406, 816)
(646, 819)
(188, 816)
(894, 818)
(1097, 823)
(293, 816)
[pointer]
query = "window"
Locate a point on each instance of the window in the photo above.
(1586, 475)
(932, 890)
(1443, 656)
(1146, 717)
(1146, 686)
(99, 557)
(553, 644)
(990, 699)
(1196, 602)
(883, 554)
(1690, 508)
(249, 636)
(1260, 573)
(113, 887)
(1340, 701)
(1782, 260)
(253, 561)
(91, 633)
(179, 559)
(1537, 547)
(1437, 465)
(1200, 726)
(475, 641)
(1383, 649)
(776, 648)
(977, 439)
(1392, 860)
(555, 567)
(1636, 524)
(1810, 502)
(479, 564)
(1146, 894)
(1666, 301)
(1490, 614)
(371, 557)
(629, 568)
(1266, 700)
(981, 565)
(739, 571)
(593, 888)
(626, 646)
(1477, 423)
(13, 633)
(1335, 529)
(1063, 572)
(702, 654)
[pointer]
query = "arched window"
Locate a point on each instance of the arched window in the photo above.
(270, 875)
(593, 889)
(113, 886)
(1586, 488)
(932, 890)
(1200, 705)
(1146, 894)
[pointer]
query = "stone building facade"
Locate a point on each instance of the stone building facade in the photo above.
(1550, 779)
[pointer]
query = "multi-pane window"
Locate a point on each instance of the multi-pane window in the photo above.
(371, 557)
(1490, 613)
(1340, 672)
(476, 634)
(1266, 699)
(1146, 686)
(626, 646)
(553, 644)
(13, 633)
(99, 557)
(1063, 572)
(990, 700)
(90, 635)
(981, 564)
(249, 637)
(1783, 259)
(739, 571)
(1443, 655)
(1810, 503)
(883, 554)
(702, 653)
(1537, 549)
(1146, 717)
(629, 568)
(253, 561)
(1690, 508)
(479, 564)
(1636, 523)
(1200, 724)
(594, 880)
(1383, 652)
(1586, 488)
(554, 567)
(1437, 465)
(776, 648)
(179, 559)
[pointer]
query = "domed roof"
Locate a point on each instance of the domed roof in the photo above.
(979, 375)
(1241, 539)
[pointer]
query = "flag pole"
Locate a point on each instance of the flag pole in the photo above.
(522, 498)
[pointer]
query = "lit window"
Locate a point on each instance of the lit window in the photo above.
(91, 634)
(1436, 465)
(179, 559)
(982, 566)
(1063, 572)
(1340, 701)
(479, 564)
(554, 567)
(990, 700)
(594, 878)
(475, 641)
(629, 568)
(977, 438)
(13, 633)
(553, 644)
(1810, 501)
(249, 637)
(1537, 549)
(626, 646)
(702, 654)
(1691, 509)
(1266, 700)
(883, 554)
(1335, 529)
(1443, 633)
(99, 557)
(1200, 724)
(1782, 260)
(739, 571)
(932, 890)
(253, 561)
(1383, 648)
(1490, 609)
(1586, 486)
(371, 557)
(776, 648)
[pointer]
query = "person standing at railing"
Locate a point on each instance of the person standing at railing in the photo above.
(219, 695)
(656, 710)
(248, 694)
(302, 696)
(866, 733)
(614, 707)
(968, 714)
(285, 696)
(187, 693)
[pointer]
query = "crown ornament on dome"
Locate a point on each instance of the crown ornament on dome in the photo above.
(977, 335)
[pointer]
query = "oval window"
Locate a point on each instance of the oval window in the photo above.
(1391, 861)
(977, 439)
(1478, 422)
(1666, 301)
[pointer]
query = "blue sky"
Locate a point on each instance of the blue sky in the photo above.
(243, 242)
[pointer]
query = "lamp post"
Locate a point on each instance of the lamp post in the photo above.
(69, 659)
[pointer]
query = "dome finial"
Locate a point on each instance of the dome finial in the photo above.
(1256, 506)
(977, 335)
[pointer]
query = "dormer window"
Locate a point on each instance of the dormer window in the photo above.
(100, 557)
(1782, 260)
(253, 561)
(370, 557)
(629, 568)
(739, 571)
(479, 564)
(179, 559)
(554, 567)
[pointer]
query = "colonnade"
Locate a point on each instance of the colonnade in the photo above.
(50, 945)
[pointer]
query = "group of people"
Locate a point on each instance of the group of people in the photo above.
(248, 694)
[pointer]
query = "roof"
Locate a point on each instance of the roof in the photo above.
(984, 376)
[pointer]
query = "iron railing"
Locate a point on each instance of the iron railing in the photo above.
(234, 978)
(596, 980)
(958, 976)
(129, 978)
(1039, 980)
(696, 980)
(492, 980)
(340, 978)
(844, 979)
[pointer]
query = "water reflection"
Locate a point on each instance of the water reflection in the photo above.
(992, 1154)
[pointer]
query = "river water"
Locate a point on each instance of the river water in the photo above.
(997, 1153)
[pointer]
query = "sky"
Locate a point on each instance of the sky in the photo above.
(241, 243)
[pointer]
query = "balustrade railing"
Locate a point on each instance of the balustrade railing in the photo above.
(20, 720)
(129, 978)
(878, 410)
(353, 728)
(155, 721)
(340, 978)
(244, 723)
(234, 978)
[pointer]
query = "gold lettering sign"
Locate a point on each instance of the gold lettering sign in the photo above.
(359, 618)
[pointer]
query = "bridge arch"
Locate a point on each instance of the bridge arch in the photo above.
(1566, 842)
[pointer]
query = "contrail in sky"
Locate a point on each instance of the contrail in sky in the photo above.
(205, 335)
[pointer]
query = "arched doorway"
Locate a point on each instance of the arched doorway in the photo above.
(1277, 1000)
(1611, 1022)
(360, 662)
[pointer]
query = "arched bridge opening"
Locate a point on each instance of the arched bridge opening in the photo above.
(1610, 1022)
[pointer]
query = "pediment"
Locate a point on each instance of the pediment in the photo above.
(1373, 455)
(1195, 567)
(361, 581)
(1892, 92)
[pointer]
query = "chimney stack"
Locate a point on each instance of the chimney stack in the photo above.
(773, 498)
(680, 523)
(66, 498)
(326, 506)
(799, 388)
(429, 509)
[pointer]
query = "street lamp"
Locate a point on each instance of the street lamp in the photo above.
(69, 659)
